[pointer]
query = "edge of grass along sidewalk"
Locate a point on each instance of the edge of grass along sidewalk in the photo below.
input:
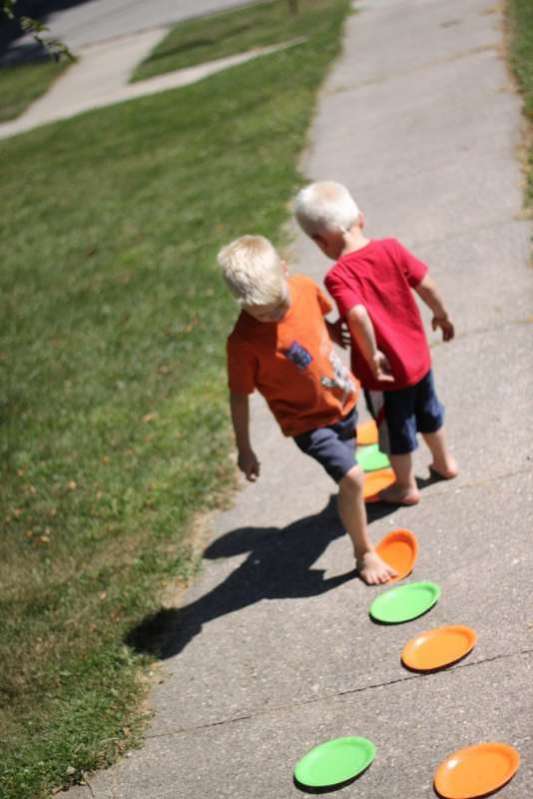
(114, 424)
(21, 85)
(197, 41)
(520, 55)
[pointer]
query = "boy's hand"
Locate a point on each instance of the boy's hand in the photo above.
(381, 368)
(339, 333)
(445, 325)
(249, 465)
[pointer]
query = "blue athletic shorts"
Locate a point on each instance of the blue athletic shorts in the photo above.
(333, 446)
(401, 414)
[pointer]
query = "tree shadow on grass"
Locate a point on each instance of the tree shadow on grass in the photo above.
(278, 566)
(195, 44)
(182, 48)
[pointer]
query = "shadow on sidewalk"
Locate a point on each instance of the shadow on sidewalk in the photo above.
(278, 566)
(13, 53)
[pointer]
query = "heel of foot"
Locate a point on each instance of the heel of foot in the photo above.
(444, 474)
(395, 496)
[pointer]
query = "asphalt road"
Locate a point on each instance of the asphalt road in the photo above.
(97, 20)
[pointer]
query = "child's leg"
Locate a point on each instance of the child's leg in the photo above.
(405, 490)
(334, 448)
(430, 421)
(444, 464)
(394, 412)
(372, 569)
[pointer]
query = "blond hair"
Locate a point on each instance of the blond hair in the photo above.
(325, 206)
(253, 271)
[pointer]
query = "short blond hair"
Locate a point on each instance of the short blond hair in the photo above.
(324, 207)
(253, 271)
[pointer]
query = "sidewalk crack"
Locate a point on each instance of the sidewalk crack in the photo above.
(259, 712)
(421, 68)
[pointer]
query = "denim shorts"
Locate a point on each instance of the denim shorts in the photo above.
(332, 446)
(401, 414)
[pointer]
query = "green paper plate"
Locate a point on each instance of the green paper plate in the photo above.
(334, 762)
(370, 459)
(405, 603)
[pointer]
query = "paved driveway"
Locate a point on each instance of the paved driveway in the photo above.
(98, 20)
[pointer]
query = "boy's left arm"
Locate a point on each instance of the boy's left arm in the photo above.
(362, 331)
(428, 292)
(339, 332)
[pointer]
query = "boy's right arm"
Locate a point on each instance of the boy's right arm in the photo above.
(240, 417)
(362, 331)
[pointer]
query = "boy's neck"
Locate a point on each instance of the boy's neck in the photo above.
(354, 240)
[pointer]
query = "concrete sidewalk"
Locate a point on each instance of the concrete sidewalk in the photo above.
(101, 77)
(272, 650)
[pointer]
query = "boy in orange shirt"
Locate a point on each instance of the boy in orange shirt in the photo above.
(281, 345)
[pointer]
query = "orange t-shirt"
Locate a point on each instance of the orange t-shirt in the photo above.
(293, 363)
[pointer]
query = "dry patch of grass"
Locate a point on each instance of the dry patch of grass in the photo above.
(520, 40)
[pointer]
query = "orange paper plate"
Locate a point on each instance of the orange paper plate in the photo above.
(476, 770)
(400, 550)
(438, 648)
(367, 433)
(376, 482)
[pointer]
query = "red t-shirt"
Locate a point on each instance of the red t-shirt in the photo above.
(380, 276)
(293, 363)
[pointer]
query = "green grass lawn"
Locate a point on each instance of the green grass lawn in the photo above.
(198, 40)
(520, 16)
(114, 429)
(21, 85)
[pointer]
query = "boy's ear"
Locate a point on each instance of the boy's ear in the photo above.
(285, 268)
(362, 219)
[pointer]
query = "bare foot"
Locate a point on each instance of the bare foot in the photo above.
(395, 495)
(373, 570)
(445, 471)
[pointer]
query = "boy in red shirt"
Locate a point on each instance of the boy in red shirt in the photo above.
(372, 283)
(281, 346)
